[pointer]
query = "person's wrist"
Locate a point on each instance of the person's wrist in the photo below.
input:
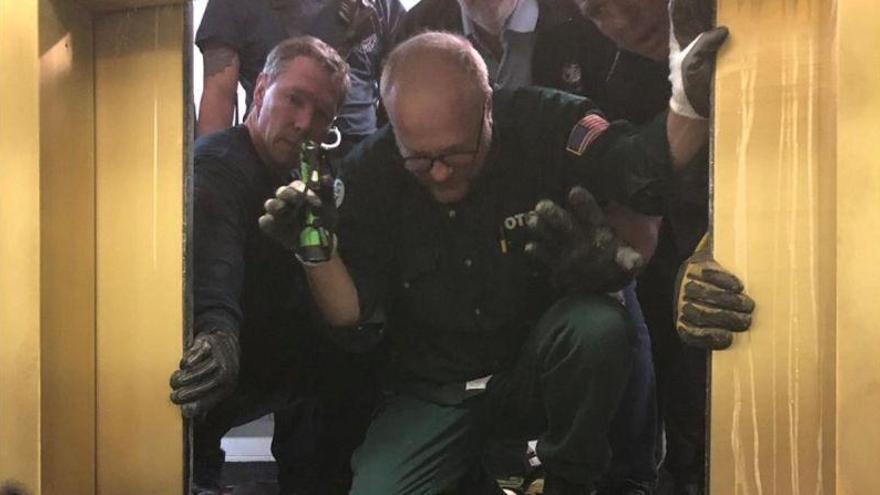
(331, 252)
(681, 107)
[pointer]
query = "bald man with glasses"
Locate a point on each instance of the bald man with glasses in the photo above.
(466, 225)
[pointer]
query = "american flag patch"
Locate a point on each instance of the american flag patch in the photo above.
(585, 132)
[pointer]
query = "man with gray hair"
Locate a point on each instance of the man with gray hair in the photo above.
(258, 343)
(493, 295)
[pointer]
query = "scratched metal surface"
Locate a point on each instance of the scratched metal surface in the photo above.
(19, 245)
(858, 235)
(781, 186)
(139, 115)
(67, 249)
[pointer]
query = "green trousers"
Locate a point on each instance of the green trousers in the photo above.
(563, 389)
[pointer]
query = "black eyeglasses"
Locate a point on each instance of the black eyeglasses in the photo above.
(421, 164)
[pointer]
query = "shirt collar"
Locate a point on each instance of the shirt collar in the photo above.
(524, 19)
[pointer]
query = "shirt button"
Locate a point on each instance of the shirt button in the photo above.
(406, 285)
(451, 213)
(478, 311)
(468, 262)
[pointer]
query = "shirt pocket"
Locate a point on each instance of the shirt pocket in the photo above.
(418, 270)
(427, 295)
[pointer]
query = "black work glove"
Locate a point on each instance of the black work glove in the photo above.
(693, 46)
(208, 372)
(709, 302)
(287, 212)
(579, 248)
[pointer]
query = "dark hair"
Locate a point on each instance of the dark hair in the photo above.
(315, 49)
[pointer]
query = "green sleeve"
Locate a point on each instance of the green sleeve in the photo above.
(616, 160)
(629, 164)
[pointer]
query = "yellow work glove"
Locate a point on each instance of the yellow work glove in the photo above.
(709, 303)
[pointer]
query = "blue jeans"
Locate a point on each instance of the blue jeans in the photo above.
(633, 434)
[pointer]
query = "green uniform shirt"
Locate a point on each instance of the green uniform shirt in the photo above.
(457, 292)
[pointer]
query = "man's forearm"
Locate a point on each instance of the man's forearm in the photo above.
(686, 137)
(215, 111)
(638, 230)
(334, 292)
(221, 66)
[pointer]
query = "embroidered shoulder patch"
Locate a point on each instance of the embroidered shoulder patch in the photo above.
(585, 133)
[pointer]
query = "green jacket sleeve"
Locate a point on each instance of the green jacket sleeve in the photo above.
(614, 160)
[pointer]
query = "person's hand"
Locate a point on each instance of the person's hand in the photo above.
(287, 214)
(208, 372)
(710, 303)
(693, 46)
(578, 246)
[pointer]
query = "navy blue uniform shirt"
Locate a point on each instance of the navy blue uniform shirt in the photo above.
(243, 280)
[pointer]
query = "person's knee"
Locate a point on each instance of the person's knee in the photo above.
(378, 474)
(376, 478)
(595, 323)
(374, 483)
(374, 473)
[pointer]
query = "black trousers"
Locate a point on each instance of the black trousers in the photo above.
(322, 404)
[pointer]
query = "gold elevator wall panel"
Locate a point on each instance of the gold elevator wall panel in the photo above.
(106, 6)
(20, 243)
(139, 199)
(67, 231)
(796, 194)
(91, 202)
(858, 220)
(771, 403)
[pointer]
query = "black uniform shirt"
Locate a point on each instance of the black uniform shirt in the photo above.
(457, 290)
(253, 27)
(243, 280)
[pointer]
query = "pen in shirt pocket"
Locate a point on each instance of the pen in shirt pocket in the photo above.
(502, 240)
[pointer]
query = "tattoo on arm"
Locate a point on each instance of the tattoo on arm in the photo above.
(218, 59)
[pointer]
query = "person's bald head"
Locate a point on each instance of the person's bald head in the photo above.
(435, 69)
(436, 89)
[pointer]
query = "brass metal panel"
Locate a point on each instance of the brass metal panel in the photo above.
(20, 243)
(106, 6)
(773, 396)
(858, 220)
(67, 230)
(140, 163)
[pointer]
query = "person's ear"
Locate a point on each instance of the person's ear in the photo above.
(488, 111)
(260, 92)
